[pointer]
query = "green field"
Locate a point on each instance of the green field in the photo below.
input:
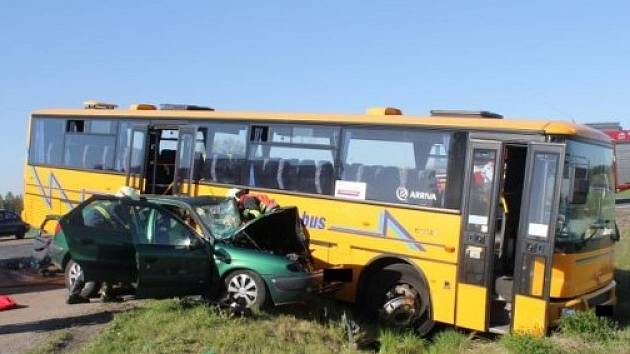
(174, 326)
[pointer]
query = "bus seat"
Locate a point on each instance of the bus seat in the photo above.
(388, 179)
(367, 175)
(84, 157)
(221, 168)
(166, 161)
(209, 168)
(324, 177)
(306, 176)
(350, 172)
(167, 156)
(270, 173)
(121, 165)
(427, 183)
(359, 176)
(287, 174)
(105, 158)
(259, 175)
(198, 164)
(49, 157)
(235, 168)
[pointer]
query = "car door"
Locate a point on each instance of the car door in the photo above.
(12, 222)
(172, 259)
(100, 239)
(3, 224)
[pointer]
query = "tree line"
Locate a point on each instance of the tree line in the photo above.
(12, 202)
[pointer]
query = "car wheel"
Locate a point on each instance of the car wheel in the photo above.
(400, 298)
(245, 287)
(20, 234)
(72, 272)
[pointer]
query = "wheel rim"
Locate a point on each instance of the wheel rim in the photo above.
(402, 306)
(74, 273)
(242, 286)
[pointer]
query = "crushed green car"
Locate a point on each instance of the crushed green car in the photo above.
(174, 246)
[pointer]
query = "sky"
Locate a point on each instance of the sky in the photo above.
(530, 59)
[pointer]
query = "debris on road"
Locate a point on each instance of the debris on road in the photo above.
(7, 303)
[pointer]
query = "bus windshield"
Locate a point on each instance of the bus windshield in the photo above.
(586, 217)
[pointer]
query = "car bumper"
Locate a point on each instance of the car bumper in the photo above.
(605, 296)
(292, 289)
(57, 254)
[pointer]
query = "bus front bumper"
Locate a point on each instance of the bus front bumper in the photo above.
(604, 297)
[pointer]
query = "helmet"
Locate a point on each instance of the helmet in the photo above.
(128, 192)
(233, 193)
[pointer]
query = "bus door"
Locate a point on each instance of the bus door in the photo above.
(135, 166)
(186, 159)
(535, 238)
(482, 189)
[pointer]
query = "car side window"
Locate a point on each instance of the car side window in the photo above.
(159, 227)
(10, 216)
(106, 214)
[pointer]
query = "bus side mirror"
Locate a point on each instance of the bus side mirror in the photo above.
(616, 236)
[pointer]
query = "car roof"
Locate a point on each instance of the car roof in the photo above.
(202, 200)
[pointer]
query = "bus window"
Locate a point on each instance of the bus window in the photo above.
(91, 151)
(123, 141)
(292, 159)
(225, 158)
(46, 141)
(408, 167)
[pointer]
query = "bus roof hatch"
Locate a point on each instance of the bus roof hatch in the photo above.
(464, 114)
(383, 111)
(184, 107)
(94, 104)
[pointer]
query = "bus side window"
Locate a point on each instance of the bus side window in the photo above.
(225, 153)
(396, 166)
(47, 136)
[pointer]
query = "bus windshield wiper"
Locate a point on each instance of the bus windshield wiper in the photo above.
(597, 227)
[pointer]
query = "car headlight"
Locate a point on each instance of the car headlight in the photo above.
(295, 267)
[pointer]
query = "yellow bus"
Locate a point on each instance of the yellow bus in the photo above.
(461, 218)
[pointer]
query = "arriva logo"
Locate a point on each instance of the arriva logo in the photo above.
(403, 194)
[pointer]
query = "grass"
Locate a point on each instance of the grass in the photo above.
(174, 326)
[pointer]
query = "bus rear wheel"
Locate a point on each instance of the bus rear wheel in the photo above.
(399, 297)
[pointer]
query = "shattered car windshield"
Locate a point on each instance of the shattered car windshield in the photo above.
(223, 219)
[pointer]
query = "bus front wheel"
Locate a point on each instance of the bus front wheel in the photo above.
(399, 297)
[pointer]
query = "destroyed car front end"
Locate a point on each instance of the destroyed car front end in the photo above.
(272, 247)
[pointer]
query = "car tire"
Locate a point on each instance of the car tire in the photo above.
(71, 272)
(19, 235)
(245, 287)
(395, 290)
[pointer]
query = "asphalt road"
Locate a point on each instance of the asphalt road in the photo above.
(43, 314)
(11, 248)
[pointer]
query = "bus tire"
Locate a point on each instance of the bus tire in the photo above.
(90, 289)
(399, 297)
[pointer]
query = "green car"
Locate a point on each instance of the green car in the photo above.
(175, 246)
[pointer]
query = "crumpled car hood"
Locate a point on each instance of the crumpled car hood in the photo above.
(279, 232)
